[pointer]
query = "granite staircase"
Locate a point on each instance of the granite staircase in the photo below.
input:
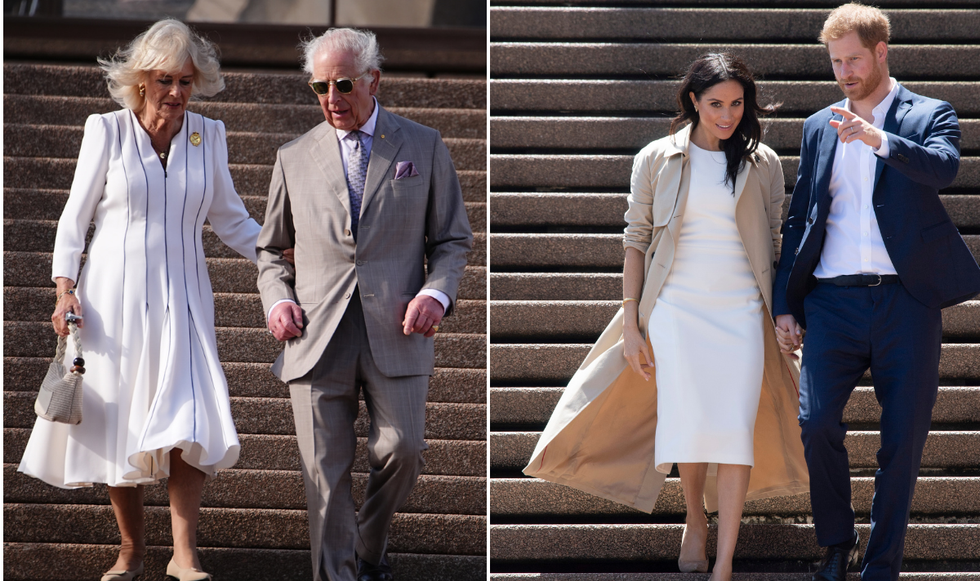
(576, 89)
(253, 521)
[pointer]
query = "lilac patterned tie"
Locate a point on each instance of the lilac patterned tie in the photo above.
(356, 171)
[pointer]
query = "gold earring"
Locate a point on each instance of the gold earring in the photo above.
(142, 91)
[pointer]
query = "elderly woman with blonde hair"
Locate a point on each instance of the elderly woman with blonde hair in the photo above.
(155, 399)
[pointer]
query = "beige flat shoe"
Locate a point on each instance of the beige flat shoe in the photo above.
(123, 575)
(177, 572)
(693, 565)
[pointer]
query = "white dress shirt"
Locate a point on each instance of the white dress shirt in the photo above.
(346, 148)
(853, 243)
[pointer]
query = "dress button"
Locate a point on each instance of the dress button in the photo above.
(360, 262)
(346, 295)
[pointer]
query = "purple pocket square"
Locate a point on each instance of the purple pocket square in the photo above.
(405, 169)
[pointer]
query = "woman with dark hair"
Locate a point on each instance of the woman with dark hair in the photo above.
(689, 371)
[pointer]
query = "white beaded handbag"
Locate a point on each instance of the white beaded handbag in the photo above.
(60, 397)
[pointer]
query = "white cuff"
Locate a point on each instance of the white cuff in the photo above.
(276, 304)
(883, 150)
(438, 295)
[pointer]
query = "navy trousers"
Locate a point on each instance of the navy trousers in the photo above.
(849, 330)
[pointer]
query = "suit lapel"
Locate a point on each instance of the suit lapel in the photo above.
(893, 121)
(327, 156)
(825, 157)
(384, 147)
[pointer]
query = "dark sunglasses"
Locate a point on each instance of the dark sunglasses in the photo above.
(343, 85)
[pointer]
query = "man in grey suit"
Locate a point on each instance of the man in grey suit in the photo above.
(372, 205)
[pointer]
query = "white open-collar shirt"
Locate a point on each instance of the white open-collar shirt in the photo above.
(853, 243)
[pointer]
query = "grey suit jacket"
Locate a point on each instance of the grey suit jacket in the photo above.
(404, 226)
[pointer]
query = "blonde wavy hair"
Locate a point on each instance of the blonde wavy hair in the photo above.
(165, 46)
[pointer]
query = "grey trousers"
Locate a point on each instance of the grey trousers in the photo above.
(324, 408)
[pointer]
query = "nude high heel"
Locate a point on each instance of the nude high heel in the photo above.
(123, 575)
(694, 565)
(175, 571)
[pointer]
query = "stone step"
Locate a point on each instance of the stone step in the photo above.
(659, 542)
(34, 235)
(276, 489)
(935, 62)
(944, 449)
(251, 87)
(735, 3)
(535, 321)
(581, 251)
(274, 416)
(446, 385)
(531, 407)
(250, 179)
(799, 25)
(554, 286)
(271, 452)
(512, 498)
(253, 117)
(246, 345)
(613, 171)
(230, 310)
(736, 576)
(38, 204)
(46, 562)
(554, 364)
(233, 527)
(646, 97)
(232, 275)
(62, 141)
(514, 210)
(633, 133)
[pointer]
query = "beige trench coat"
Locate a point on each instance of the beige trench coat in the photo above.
(600, 438)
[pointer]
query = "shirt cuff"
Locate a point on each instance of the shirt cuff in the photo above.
(883, 150)
(276, 304)
(438, 295)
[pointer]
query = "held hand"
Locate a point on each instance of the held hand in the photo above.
(789, 334)
(288, 254)
(637, 353)
(854, 128)
(286, 321)
(422, 316)
(67, 304)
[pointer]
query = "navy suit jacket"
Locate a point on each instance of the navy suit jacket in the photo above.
(930, 257)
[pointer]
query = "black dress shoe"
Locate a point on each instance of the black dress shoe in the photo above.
(834, 565)
(370, 572)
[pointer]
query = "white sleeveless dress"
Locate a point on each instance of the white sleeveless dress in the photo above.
(153, 379)
(706, 330)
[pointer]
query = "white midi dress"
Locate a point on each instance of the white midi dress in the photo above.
(153, 380)
(706, 330)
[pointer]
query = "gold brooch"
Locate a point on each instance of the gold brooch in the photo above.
(195, 139)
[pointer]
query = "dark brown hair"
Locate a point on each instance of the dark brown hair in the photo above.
(707, 71)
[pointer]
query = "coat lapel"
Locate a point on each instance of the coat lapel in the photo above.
(384, 147)
(825, 158)
(328, 159)
(893, 121)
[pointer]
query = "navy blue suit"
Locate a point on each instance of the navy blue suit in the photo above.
(895, 330)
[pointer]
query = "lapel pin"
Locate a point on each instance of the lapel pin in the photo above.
(382, 136)
(195, 139)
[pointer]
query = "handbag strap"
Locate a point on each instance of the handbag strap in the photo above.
(59, 354)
